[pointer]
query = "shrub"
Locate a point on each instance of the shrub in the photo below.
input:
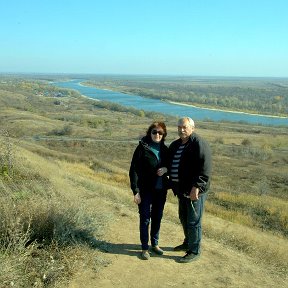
(6, 154)
(66, 130)
(246, 142)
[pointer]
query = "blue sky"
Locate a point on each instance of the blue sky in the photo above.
(161, 37)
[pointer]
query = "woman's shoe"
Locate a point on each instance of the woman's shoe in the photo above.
(145, 255)
(157, 250)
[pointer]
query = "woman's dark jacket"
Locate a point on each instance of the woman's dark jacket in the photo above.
(144, 166)
(195, 164)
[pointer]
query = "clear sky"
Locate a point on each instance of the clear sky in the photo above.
(168, 37)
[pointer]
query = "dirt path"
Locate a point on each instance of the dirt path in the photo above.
(217, 267)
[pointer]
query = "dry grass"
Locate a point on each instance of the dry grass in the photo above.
(265, 212)
(63, 191)
(265, 248)
(50, 228)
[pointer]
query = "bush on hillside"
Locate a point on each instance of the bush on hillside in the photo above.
(65, 131)
(6, 154)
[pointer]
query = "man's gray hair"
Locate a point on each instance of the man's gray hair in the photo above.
(190, 120)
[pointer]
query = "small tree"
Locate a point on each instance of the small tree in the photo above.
(246, 142)
(6, 154)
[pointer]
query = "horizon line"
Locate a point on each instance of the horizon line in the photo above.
(136, 74)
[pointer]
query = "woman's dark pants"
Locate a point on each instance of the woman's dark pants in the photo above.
(151, 209)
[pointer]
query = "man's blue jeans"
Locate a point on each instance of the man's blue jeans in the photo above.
(190, 215)
(151, 208)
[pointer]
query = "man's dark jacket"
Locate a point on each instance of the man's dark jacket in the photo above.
(195, 164)
(144, 166)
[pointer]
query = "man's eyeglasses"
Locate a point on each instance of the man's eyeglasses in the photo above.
(154, 132)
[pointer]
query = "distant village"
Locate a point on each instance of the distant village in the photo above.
(56, 94)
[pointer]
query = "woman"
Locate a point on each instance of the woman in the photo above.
(149, 182)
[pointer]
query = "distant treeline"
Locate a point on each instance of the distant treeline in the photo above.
(265, 96)
(29, 87)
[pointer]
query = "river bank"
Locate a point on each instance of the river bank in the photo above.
(223, 110)
(191, 105)
(171, 107)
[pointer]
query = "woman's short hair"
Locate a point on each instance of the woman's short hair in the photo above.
(157, 124)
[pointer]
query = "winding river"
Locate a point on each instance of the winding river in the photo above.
(171, 108)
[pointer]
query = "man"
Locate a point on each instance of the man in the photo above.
(190, 169)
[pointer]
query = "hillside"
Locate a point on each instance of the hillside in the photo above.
(68, 215)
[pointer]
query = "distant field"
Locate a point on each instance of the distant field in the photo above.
(57, 147)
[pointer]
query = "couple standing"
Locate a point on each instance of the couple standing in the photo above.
(187, 162)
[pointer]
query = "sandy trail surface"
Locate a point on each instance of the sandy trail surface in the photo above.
(218, 266)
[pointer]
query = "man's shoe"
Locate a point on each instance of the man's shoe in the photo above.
(145, 255)
(157, 250)
(182, 247)
(189, 257)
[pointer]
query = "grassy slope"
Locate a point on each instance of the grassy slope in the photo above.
(74, 181)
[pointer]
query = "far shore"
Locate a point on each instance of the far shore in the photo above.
(223, 110)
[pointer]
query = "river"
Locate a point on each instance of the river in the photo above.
(148, 104)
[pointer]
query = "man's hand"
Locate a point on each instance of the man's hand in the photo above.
(194, 194)
(161, 171)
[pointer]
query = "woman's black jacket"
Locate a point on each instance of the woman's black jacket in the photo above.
(144, 165)
(195, 164)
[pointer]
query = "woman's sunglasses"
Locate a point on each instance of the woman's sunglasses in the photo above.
(154, 132)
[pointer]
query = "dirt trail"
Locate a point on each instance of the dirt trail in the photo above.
(218, 266)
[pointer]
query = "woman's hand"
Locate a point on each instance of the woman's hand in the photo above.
(161, 171)
(137, 198)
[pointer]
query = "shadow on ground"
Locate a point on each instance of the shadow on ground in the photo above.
(133, 250)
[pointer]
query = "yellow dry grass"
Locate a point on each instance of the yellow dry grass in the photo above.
(82, 183)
